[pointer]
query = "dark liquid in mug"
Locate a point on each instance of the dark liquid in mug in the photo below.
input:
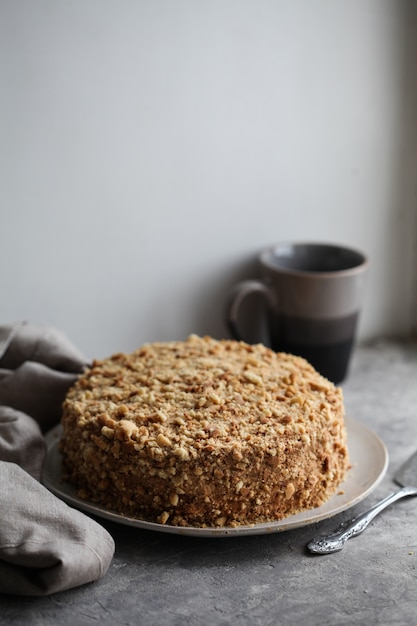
(327, 345)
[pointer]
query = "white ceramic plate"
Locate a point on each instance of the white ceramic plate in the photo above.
(368, 456)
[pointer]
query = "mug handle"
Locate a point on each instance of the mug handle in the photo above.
(240, 291)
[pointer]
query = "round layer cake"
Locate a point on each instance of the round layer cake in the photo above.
(204, 433)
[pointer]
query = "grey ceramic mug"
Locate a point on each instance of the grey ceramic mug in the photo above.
(313, 294)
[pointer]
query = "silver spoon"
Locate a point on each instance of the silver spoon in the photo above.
(406, 476)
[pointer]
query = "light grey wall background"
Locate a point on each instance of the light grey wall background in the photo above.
(150, 148)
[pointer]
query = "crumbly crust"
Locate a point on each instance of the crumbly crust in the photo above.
(204, 433)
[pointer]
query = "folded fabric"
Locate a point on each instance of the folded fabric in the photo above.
(23, 342)
(21, 442)
(37, 365)
(37, 390)
(45, 546)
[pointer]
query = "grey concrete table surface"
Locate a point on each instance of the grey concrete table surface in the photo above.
(160, 579)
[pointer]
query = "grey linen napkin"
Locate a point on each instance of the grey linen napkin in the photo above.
(45, 546)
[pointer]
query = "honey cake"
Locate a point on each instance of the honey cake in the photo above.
(204, 433)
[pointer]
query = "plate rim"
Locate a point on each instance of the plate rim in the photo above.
(66, 492)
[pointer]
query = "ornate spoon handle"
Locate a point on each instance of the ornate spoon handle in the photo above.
(336, 541)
